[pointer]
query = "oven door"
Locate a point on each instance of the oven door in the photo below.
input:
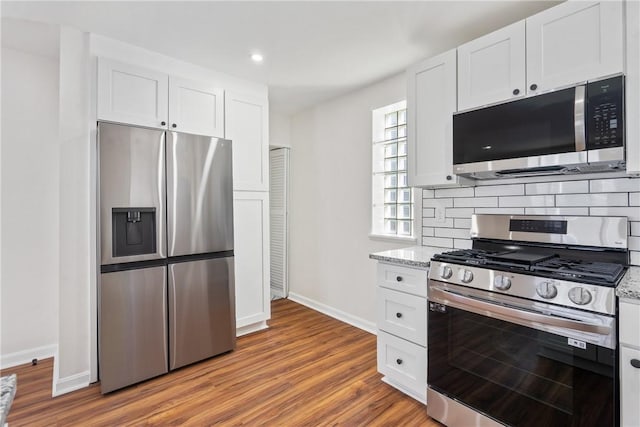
(518, 362)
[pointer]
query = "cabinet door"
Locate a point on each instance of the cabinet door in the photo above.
(131, 94)
(251, 236)
(629, 387)
(492, 68)
(247, 119)
(573, 42)
(196, 107)
(431, 102)
(632, 84)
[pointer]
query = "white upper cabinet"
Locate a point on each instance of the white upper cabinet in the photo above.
(431, 102)
(139, 96)
(492, 68)
(573, 42)
(196, 107)
(131, 94)
(246, 123)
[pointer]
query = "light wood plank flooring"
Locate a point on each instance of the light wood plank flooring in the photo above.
(306, 370)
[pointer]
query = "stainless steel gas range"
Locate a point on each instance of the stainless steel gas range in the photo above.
(522, 327)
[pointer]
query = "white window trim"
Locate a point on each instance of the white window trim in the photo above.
(417, 192)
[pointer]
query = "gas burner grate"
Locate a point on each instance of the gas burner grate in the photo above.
(607, 272)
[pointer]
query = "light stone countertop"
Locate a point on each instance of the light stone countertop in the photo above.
(414, 256)
(629, 286)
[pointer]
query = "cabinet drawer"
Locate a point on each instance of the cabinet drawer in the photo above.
(629, 387)
(404, 279)
(402, 315)
(402, 361)
(629, 321)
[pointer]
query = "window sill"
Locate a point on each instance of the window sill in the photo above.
(389, 238)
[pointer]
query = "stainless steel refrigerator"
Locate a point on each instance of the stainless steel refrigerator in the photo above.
(166, 288)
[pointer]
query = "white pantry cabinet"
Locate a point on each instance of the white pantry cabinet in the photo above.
(251, 242)
(567, 44)
(139, 96)
(431, 102)
(573, 42)
(492, 68)
(401, 315)
(247, 121)
(629, 362)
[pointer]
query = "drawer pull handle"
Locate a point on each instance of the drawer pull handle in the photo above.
(399, 278)
(399, 361)
(398, 315)
(635, 363)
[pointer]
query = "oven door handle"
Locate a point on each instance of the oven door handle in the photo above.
(509, 314)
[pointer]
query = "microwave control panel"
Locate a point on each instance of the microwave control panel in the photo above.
(605, 113)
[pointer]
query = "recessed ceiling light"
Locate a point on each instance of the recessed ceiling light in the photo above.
(256, 57)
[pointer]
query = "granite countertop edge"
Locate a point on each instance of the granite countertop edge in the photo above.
(414, 256)
(629, 286)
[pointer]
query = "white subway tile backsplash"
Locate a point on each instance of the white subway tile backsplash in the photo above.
(427, 194)
(461, 244)
(427, 231)
(505, 211)
(633, 213)
(459, 212)
(526, 201)
(455, 192)
(456, 233)
(500, 190)
(619, 185)
(634, 243)
(437, 203)
(634, 199)
(462, 223)
(634, 258)
(433, 222)
(428, 212)
(475, 202)
(556, 211)
(595, 199)
(635, 228)
(438, 242)
(563, 187)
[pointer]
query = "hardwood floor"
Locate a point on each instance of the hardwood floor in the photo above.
(307, 369)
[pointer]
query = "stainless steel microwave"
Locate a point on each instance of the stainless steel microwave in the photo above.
(575, 130)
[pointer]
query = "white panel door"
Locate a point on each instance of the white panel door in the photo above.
(196, 107)
(279, 230)
(492, 68)
(247, 121)
(131, 94)
(573, 42)
(431, 102)
(251, 238)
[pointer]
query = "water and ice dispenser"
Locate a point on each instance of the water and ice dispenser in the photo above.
(133, 231)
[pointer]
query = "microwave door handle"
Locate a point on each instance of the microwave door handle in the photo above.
(578, 118)
(513, 315)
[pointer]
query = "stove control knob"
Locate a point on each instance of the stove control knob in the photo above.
(446, 272)
(547, 290)
(465, 276)
(580, 295)
(502, 282)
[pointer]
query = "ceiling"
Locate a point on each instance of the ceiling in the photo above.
(313, 50)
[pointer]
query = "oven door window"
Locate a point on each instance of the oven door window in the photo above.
(518, 375)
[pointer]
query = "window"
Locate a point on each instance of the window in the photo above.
(392, 213)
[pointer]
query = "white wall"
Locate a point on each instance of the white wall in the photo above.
(30, 206)
(331, 203)
(279, 129)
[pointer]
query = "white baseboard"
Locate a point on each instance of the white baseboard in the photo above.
(248, 329)
(26, 356)
(70, 383)
(356, 321)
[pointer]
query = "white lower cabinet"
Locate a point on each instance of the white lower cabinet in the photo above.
(401, 315)
(629, 363)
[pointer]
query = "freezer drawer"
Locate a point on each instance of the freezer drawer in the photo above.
(201, 310)
(199, 195)
(132, 326)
